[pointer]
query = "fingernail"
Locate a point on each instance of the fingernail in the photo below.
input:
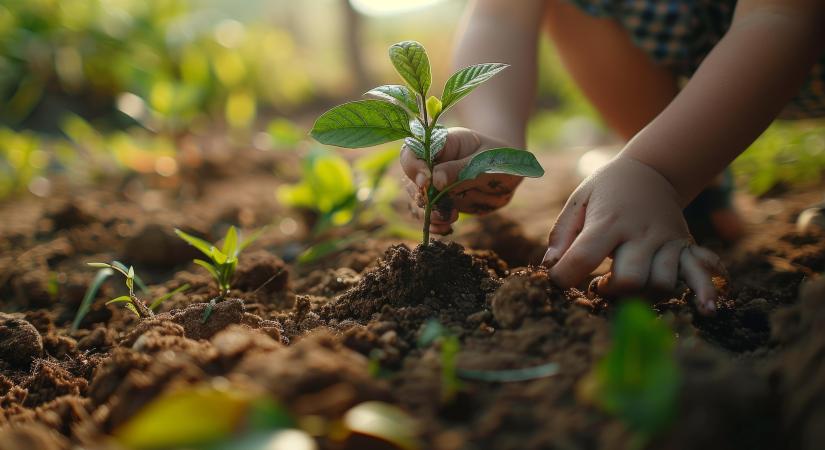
(550, 259)
(420, 179)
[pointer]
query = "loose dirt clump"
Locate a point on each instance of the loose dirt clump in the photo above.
(20, 343)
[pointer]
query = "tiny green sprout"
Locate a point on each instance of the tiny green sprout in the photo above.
(405, 112)
(638, 380)
(131, 302)
(222, 261)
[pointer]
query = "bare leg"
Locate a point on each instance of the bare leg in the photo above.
(627, 88)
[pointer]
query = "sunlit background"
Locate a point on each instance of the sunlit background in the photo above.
(95, 88)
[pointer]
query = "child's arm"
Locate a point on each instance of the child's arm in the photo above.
(503, 31)
(632, 207)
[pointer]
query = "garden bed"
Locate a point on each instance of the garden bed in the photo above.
(321, 339)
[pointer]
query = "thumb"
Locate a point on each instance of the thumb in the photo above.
(568, 225)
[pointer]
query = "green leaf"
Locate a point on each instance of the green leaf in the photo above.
(99, 265)
(121, 299)
(411, 62)
(384, 422)
(230, 241)
(397, 94)
(417, 129)
(375, 164)
(209, 267)
(502, 160)
(185, 417)
(159, 301)
(125, 271)
(328, 247)
(465, 80)
(198, 243)
(362, 123)
(131, 273)
(438, 139)
(131, 307)
(416, 146)
(639, 379)
(91, 293)
(433, 106)
(512, 375)
(251, 238)
(218, 256)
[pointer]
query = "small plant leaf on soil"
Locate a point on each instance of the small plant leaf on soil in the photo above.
(638, 380)
(185, 417)
(222, 263)
(130, 302)
(384, 422)
(362, 123)
(159, 300)
(411, 61)
(407, 113)
(512, 375)
(91, 292)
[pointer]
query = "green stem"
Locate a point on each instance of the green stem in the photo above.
(429, 208)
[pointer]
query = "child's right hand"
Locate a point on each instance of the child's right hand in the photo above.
(484, 194)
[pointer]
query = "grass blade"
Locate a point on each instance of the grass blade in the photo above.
(198, 243)
(158, 301)
(509, 376)
(89, 296)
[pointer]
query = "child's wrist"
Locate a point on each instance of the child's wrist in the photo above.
(682, 196)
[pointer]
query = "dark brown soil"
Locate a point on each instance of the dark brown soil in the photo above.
(311, 336)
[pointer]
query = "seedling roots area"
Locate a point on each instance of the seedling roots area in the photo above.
(318, 339)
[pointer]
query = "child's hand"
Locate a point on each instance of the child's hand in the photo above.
(486, 193)
(628, 210)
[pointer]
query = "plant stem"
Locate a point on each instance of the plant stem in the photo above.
(429, 208)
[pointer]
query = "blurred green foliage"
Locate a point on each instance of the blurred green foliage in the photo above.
(165, 63)
(788, 153)
(639, 379)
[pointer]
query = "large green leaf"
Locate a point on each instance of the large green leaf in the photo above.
(411, 62)
(362, 123)
(398, 94)
(465, 80)
(502, 160)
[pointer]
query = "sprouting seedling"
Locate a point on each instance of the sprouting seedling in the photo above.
(405, 112)
(222, 261)
(451, 374)
(130, 301)
(450, 346)
(107, 270)
(638, 380)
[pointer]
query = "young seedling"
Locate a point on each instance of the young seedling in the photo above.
(638, 380)
(222, 261)
(405, 112)
(131, 302)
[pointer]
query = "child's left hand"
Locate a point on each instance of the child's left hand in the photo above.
(630, 211)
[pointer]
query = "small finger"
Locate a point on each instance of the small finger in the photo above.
(438, 217)
(589, 249)
(446, 173)
(664, 270)
(441, 229)
(568, 225)
(630, 270)
(414, 168)
(698, 278)
(709, 259)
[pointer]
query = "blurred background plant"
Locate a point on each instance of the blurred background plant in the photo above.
(95, 88)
